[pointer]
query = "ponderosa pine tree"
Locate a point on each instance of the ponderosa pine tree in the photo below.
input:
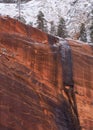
(61, 31)
(19, 8)
(91, 28)
(83, 35)
(41, 22)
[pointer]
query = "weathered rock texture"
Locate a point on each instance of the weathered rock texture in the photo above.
(83, 83)
(46, 83)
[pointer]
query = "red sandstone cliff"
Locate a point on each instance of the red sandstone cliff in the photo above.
(46, 83)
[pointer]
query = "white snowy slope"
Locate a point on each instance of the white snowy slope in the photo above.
(74, 12)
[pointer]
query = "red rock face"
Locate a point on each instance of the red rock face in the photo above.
(41, 86)
(83, 83)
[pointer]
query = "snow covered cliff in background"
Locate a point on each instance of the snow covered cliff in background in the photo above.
(74, 12)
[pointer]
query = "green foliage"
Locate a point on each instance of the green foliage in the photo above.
(30, 23)
(83, 35)
(61, 31)
(41, 22)
(91, 33)
(91, 28)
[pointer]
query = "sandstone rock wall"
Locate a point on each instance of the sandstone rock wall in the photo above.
(83, 83)
(32, 93)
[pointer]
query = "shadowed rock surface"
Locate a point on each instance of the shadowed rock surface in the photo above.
(46, 83)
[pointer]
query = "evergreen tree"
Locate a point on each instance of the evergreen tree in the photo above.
(31, 23)
(91, 28)
(45, 29)
(83, 35)
(91, 32)
(61, 31)
(19, 10)
(52, 30)
(41, 22)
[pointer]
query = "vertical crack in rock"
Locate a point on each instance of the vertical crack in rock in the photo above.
(68, 82)
(68, 116)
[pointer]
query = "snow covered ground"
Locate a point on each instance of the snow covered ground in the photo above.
(74, 12)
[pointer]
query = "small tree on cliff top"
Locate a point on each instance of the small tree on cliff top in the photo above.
(41, 22)
(91, 29)
(61, 31)
(83, 35)
(19, 9)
